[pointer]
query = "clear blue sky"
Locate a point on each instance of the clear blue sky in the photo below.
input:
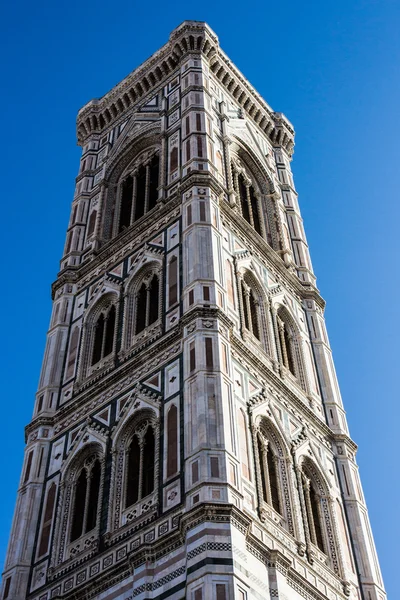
(333, 68)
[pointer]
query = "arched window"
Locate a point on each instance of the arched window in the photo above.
(143, 303)
(138, 193)
(104, 333)
(287, 343)
(86, 499)
(147, 304)
(273, 474)
(247, 197)
(140, 468)
(313, 510)
(251, 308)
(269, 474)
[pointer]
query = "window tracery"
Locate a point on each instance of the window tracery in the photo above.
(104, 333)
(136, 470)
(289, 345)
(140, 468)
(143, 304)
(80, 505)
(137, 193)
(248, 197)
(99, 335)
(319, 517)
(273, 474)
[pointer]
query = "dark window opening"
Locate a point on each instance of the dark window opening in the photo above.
(273, 481)
(140, 193)
(148, 463)
(289, 351)
(93, 497)
(109, 333)
(132, 492)
(254, 208)
(79, 506)
(126, 204)
(243, 199)
(141, 309)
(314, 500)
(262, 469)
(254, 315)
(154, 299)
(245, 312)
(98, 339)
(153, 186)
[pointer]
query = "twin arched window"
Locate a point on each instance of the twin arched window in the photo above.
(269, 469)
(138, 193)
(147, 303)
(287, 343)
(251, 309)
(104, 333)
(86, 498)
(140, 465)
(313, 500)
(249, 203)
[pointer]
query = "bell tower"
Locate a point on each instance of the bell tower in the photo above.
(188, 438)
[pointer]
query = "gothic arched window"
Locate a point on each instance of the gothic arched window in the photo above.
(288, 343)
(251, 308)
(140, 480)
(269, 474)
(249, 199)
(143, 304)
(147, 303)
(86, 498)
(104, 334)
(313, 506)
(138, 193)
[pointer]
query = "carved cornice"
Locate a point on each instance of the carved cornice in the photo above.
(191, 37)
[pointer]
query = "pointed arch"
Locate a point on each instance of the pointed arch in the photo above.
(133, 177)
(98, 343)
(101, 328)
(255, 310)
(135, 468)
(254, 187)
(80, 502)
(273, 472)
(318, 509)
(290, 345)
(143, 303)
